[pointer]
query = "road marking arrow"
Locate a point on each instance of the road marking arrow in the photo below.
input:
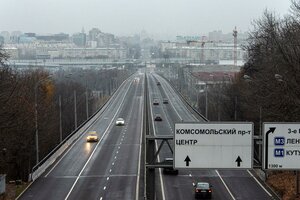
(238, 161)
(187, 161)
(271, 130)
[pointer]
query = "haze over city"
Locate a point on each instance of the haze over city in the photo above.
(161, 19)
(156, 100)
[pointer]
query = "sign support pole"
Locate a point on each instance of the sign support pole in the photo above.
(297, 182)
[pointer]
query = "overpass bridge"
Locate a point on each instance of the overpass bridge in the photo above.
(93, 63)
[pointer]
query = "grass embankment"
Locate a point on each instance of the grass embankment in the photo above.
(284, 184)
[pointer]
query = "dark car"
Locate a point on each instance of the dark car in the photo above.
(203, 190)
(155, 102)
(158, 83)
(165, 101)
(157, 117)
(169, 170)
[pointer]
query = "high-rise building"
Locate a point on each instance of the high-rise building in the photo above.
(79, 39)
(215, 35)
(93, 34)
(1, 40)
(6, 36)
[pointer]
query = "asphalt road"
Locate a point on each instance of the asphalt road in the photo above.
(108, 169)
(227, 184)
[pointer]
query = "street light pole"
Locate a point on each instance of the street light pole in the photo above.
(75, 110)
(36, 118)
(60, 120)
(36, 124)
(206, 101)
(235, 108)
(86, 98)
(87, 104)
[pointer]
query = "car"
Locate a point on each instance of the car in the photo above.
(157, 117)
(92, 136)
(158, 83)
(165, 101)
(169, 170)
(203, 190)
(120, 122)
(155, 102)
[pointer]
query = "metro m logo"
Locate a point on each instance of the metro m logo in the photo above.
(279, 141)
(279, 152)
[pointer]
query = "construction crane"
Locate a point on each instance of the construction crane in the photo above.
(235, 46)
(203, 42)
(202, 48)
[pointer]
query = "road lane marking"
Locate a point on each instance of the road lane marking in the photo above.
(225, 185)
(104, 134)
(172, 92)
(139, 163)
(259, 183)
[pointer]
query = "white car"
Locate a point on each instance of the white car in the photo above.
(92, 136)
(120, 122)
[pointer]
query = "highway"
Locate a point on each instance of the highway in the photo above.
(112, 167)
(108, 169)
(227, 184)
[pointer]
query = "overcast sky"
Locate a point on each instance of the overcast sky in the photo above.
(126, 17)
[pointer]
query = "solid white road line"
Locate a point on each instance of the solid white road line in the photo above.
(259, 183)
(225, 185)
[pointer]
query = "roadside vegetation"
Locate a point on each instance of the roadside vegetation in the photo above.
(265, 90)
(20, 89)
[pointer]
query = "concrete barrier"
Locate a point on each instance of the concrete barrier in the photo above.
(2, 183)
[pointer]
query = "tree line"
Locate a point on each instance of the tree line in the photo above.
(267, 87)
(30, 96)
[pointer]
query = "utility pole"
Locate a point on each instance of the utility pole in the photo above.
(202, 49)
(206, 102)
(75, 110)
(60, 120)
(87, 104)
(235, 46)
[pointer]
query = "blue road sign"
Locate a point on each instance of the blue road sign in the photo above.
(279, 152)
